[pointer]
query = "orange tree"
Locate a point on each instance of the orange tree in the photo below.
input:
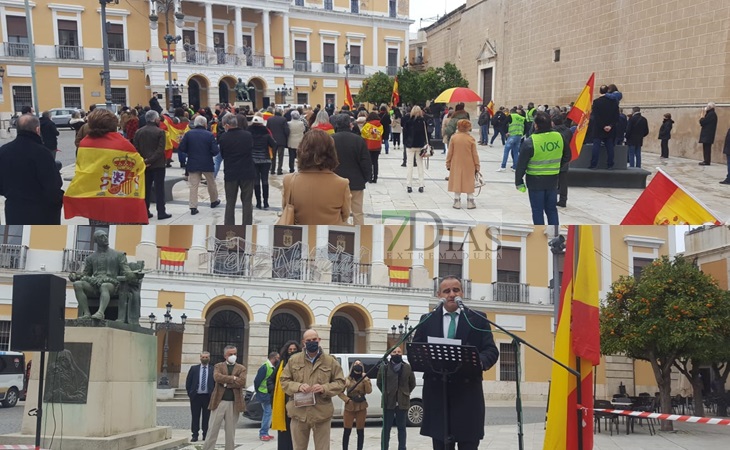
(671, 311)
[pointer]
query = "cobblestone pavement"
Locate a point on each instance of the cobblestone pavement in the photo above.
(499, 202)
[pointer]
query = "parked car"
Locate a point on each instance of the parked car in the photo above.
(12, 378)
(254, 410)
(62, 116)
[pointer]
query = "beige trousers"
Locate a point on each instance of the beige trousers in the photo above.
(194, 180)
(300, 434)
(226, 411)
(358, 218)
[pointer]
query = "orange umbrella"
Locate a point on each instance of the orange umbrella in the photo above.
(458, 95)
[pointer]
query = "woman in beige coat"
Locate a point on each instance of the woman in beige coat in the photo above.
(356, 407)
(319, 196)
(462, 161)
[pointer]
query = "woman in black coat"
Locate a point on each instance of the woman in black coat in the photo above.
(665, 134)
(708, 129)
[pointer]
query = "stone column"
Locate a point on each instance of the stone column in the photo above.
(376, 340)
(419, 273)
(178, 30)
(192, 345)
(237, 34)
(266, 19)
(375, 46)
(209, 26)
(380, 275)
(198, 248)
(287, 42)
(154, 34)
(321, 257)
(262, 257)
(147, 248)
(258, 348)
(324, 333)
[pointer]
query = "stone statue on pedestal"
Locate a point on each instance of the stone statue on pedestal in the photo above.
(242, 91)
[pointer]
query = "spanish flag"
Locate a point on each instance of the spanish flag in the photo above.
(578, 321)
(171, 256)
(581, 114)
(399, 274)
(109, 182)
(665, 202)
(174, 133)
(348, 95)
(490, 108)
(395, 98)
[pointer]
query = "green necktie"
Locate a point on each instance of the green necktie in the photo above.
(452, 325)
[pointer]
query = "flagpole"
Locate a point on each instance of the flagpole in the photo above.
(579, 381)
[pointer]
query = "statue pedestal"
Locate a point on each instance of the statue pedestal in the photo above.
(243, 105)
(104, 386)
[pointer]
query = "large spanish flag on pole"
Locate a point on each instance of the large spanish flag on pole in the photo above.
(581, 114)
(665, 202)
(174, 133)
(109, 182)
(490, 108)
(578, 322)
(395, 98)
(348, 95)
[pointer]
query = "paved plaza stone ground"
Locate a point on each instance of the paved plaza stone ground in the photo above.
(499, 201)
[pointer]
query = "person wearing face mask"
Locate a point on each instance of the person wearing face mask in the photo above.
(226, 401)
(199, 385)
(264, 384)
(279, 420)
(465, 397)
(356, 406)
(396, 380)
(312, 372)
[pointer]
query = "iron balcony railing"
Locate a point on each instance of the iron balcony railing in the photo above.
(302, 66)
(73, 259)
(118, 54)
(330, 67)
(13, 256)
(351, 273)
(465, 287)
(511, 292)
(357, 69)
(69, 52)
(16, 49)
(392, 70)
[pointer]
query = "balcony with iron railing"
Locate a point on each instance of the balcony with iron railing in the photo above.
(302, 66)
(16, 49)
(69, 52)
(357, 69)
(73, 259)
(465, 287)
(401, 283)
(330, 67)
(510, 292)
(118, 54)
(391, 70)
(13, 256)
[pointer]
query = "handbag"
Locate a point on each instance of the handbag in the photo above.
(426, 150)
(478, 183)
(287, 215)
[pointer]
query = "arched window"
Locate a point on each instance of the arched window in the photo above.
(284, 327)
(342, 336)
(225, 328)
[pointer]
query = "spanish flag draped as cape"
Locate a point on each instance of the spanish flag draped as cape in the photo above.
(109, 182)
(174, 133)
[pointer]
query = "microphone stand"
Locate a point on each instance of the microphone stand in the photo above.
(518, 404)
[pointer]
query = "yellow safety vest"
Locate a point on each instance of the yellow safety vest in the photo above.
(548, 153)
(517, 127)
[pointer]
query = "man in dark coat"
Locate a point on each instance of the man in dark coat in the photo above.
(396, 381)
(29, 180)
(200, 147)
(199, 384)
(604, 118)
(636, 130)
(155, 103)
(466, 397)
(386, 122)
(279, 128)
(150, 143)
(559, 126)
(49, 133)
(355, 163)
(708, 129)
(236, 147)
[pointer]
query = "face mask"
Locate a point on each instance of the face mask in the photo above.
(312, 346)
(357, 370)
(204, 362)
(232, 359)
(396, 359)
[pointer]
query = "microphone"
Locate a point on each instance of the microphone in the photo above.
(460, 303)
(441, 302)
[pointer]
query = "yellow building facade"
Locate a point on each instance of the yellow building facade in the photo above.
(257, 287)
(286, 51)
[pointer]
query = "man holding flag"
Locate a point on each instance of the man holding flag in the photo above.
(395, 97)
(580, 114)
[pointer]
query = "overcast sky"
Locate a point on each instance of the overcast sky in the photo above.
(429, 9)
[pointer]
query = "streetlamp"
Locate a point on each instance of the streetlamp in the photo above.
(165, 6)
(396, 333)
(164, 380)
(105, 75)
(283, 92)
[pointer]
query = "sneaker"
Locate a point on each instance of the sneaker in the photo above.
(266, 438)
(470, 203)
(457, 204)
(501, 169)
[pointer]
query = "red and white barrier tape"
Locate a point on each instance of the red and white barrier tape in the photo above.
(675, 417)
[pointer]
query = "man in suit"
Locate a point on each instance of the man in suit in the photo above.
(199, 385)
(636, 130)
(604, 119)
(465, 398)
(227, 398)
(279, 128)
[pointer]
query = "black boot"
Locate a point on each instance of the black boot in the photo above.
(346, 438)
(257, 193)
(266, 195)
(360, 439)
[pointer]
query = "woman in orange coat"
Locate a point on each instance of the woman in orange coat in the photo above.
(462, 161)
(372, 132)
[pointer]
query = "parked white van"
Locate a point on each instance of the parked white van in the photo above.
(415, 413)
(12, 376)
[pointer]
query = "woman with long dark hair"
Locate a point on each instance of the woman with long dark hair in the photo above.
(279, 419)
